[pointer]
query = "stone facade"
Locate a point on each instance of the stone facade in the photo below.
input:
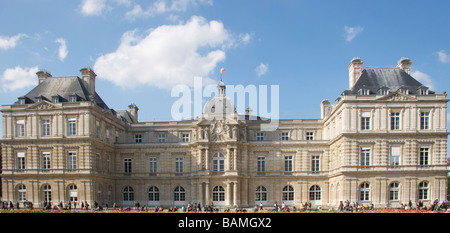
(376, 144)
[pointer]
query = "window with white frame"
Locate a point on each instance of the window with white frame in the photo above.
(424, 120)
(261, 164)
(72, 160)
(395, 156)
(315, 163)
(315, 194)
(179, 165)
(261, 193)
(21, 160)
(153, 165)
(162, 137)
(153, 193)
(73, 193)
(20, 128)
(423, 191)
(179, 194)
(45, 127)
(47, 191)
(218, 193)
(365, 156)
(395, 120)
(218, 162)
(288, 193)
(284, 136)
(128, 194)
(424, 153)
(185, 137)
(288, 163)
(138, 138)
(46, 162)
(260, 136)
(394, 191)
(127, 165)
(309, 136)
(364, 192)
(365, 120)
(71, 126)
(22, 192)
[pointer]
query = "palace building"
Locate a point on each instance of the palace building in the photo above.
(383, 141)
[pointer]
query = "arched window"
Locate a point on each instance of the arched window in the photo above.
(315, 193)
(47, 193)
(128, 194)
(218, 193)
(22, 192)
(153, 193)
(394, 191)
(179, 194)
(423, 191)
(288, 193)
(261, 193)
(73, 193)
(364, 190)
(218, 162)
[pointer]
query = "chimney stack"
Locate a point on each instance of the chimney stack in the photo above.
(43, 75)
(405, 64)
(354, 71)
(134, 111)
(324, 108)
(88, 75)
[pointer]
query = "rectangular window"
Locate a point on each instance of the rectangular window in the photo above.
(261, 164)
(45, 128)
(153, 165)
(71, 126)
(315, 163)
(127, 165)
(97, 129)
(284, 136)
(46, 160)
(20, 126)
(20, 160)
(365, 156)
(424, 120)
(161, 137)
(365, 121)
(395, 120)
(138, 138)
(185, 137)
(424, 155)
(395, 156)
(288, 163)
(179, 165)
(72, 159)
(309, 136)
(259, 136)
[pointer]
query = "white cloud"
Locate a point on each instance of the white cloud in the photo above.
(245, 38)
(10, 42)
(423, 78)
(167, 56)
(62, 50)
(163, 6)
(17, 78)
(98, 7)
(261, 69)
(351, 32)
(443, 57)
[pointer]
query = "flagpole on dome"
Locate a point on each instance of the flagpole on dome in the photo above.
(221, 71)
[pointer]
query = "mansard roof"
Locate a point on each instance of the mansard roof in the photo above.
(388, 78)
(64, 87)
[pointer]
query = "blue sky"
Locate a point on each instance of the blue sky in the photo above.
(141, 49)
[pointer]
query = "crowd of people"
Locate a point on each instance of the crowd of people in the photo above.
(344, 206)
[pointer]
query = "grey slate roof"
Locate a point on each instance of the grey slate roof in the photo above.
(64, 87)
(388, 78)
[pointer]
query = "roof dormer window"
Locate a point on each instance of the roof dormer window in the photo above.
(73, 98)
(422, 90)
(383, 91)
(364, 91)
(56, 99)
(404, 91)
(21, 100)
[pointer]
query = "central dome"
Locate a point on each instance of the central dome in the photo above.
(220, 104)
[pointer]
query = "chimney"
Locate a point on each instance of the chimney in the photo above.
(43, 75)
(405, 64)
(354, 71)
(88, 75)
(134, 111)
(324, 108)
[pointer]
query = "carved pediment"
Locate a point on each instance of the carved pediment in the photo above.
(397, 96)
(44, 105)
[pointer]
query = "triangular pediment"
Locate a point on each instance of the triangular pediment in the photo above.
(397, 96)
(43, 105)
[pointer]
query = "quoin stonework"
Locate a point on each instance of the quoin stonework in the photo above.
(383, 141)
